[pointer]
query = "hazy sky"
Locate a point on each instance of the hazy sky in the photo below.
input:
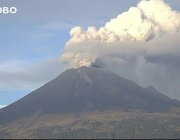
(33, 39)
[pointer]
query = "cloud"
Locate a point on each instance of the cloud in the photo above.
(141, 44)
(57, 26)
(22, 75)
(2, 106)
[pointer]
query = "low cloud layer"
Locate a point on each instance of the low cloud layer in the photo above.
(28, 76)
(141, 44)
(2, 106)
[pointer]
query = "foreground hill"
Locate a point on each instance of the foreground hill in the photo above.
(96, 124)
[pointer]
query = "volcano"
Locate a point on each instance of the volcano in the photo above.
(87, 89)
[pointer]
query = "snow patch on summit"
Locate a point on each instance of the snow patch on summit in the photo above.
(84, 76)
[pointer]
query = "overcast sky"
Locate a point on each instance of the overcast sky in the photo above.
(33, 39)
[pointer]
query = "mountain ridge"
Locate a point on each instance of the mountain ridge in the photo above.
(84, 89)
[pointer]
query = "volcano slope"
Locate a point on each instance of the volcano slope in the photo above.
(91, 102)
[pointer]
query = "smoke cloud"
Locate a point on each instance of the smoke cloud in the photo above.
(141, 44)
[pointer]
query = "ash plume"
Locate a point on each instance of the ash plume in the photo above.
(141, 44)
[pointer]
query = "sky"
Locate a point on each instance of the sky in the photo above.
(34, 39)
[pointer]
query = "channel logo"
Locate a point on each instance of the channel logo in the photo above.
(8, 10)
